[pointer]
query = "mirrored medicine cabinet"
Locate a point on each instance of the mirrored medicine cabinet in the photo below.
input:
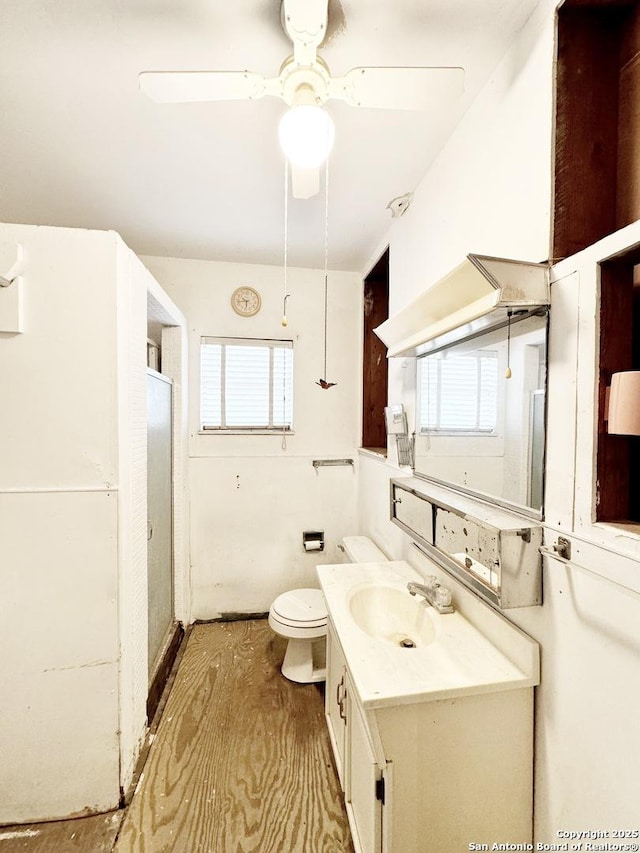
(480, 412)
(480, 338)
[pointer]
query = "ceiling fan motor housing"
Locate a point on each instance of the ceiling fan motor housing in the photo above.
(308, 84)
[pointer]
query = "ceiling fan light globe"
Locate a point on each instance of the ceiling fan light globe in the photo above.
(306, 133)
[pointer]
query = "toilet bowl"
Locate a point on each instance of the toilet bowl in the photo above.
(301, 617)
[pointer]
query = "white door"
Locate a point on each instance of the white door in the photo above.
(159, 514)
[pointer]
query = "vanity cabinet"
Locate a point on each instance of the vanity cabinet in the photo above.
(359, 764)
(432, 776)
(335, 701)
(364, 789)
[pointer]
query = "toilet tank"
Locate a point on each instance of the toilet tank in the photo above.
(360, 549)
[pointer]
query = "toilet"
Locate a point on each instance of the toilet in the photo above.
(300, 616)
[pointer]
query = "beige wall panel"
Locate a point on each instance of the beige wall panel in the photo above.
(59, 737)
(58, 379)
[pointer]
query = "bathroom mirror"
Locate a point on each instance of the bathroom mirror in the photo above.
(480, 413)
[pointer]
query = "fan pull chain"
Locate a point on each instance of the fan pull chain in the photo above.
(284, 321)
(507, 372)
(323, 383)
(284, 300)
(326, 258)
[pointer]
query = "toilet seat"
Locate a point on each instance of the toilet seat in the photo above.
(300, 608)
(301, 617)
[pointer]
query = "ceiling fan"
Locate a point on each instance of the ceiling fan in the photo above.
(305, 81)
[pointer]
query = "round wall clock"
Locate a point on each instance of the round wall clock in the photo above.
(246, 301)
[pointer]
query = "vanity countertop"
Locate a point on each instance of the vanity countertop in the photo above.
(459, 661)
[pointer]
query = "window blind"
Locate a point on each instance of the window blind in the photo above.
(459, 393)
(246, 384)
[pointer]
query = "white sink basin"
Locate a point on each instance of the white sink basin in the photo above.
(393, 615)
(371, 612)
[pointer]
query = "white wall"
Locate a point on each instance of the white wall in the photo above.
(252, 496)
(73, 523)
(59, 531)
(490, 192)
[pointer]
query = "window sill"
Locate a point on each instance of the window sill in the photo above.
(379, 453)
(276, 432)
(461, 433)
(624, 528)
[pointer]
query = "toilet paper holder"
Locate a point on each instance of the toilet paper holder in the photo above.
(313, 540)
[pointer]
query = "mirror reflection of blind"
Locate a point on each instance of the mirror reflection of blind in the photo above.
(246, 384)
(459, 393)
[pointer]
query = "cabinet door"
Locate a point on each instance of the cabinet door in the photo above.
(335, 700)
(364, 779)
(413, 513)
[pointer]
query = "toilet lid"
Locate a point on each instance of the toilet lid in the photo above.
(304, 606)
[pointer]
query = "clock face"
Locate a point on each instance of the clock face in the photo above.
(245, 301)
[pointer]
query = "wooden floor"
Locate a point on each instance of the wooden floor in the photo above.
(241, 761)
(95, 834)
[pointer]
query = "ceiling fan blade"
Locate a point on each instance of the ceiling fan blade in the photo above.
(188, 86)
(305, 183)
(399, 88)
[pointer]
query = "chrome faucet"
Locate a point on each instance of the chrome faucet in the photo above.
(437, 595)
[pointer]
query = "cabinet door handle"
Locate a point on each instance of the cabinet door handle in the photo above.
(343, 714)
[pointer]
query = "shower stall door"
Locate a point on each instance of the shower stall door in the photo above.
(160, 517)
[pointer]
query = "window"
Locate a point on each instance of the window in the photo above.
(458, 393)
(246, 384)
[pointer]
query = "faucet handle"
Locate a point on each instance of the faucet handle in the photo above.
(443, 595)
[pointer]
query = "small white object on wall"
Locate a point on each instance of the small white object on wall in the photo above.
(11, 309)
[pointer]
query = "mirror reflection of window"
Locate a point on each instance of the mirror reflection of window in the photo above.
(459, 393)
(475, 428)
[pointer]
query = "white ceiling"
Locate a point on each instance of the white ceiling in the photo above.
(80, 146)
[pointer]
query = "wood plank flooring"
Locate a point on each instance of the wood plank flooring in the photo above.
(95, 834)
(241, 762)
